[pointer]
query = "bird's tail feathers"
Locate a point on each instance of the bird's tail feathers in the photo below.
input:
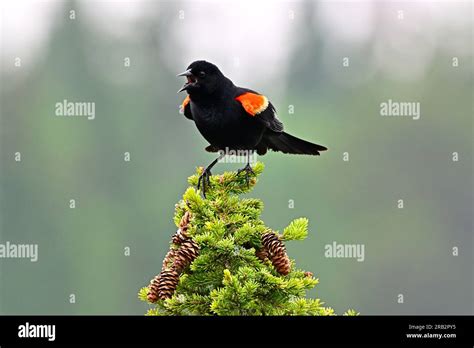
(287, 143)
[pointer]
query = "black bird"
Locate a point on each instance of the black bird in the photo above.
(234, 118)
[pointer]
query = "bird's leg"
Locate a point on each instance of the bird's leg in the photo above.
(247, 169)
(205, 177)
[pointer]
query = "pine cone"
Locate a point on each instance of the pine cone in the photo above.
(179, 237)
(153, 289)
(181, 234)
(167, 283)
(262, 254)
(272, 243)
(276, 252)
(164, 285)
(169, 259)
(282, 263)
(183, 224)
(308, 274)
(187, 252)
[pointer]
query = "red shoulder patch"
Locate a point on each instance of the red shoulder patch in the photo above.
(253, 103)
(185, 102)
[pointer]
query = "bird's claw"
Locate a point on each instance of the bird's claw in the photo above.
(248, 172)
(205, 180)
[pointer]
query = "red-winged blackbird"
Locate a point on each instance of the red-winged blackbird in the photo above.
(234, 118)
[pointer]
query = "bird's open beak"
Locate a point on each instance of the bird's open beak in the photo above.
(186, 73)
(191, 79)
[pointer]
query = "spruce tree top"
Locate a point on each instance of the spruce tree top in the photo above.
(224, 260)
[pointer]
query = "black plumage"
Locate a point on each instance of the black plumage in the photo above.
(235, 118)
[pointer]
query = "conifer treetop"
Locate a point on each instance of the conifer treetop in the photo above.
(224, 260)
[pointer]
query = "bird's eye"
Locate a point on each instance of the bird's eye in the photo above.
(202, 74)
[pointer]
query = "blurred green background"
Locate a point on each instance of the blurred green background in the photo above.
(291, 51)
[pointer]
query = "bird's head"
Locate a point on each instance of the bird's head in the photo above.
(202, 78)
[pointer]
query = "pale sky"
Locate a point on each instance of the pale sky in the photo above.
(242, 35)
